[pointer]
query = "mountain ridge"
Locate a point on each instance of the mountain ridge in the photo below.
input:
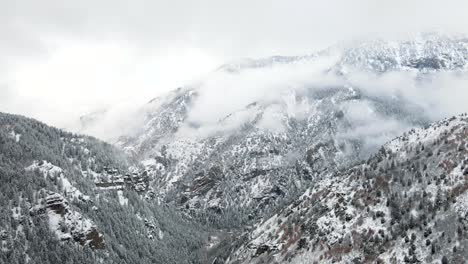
(336, 201)
(327, 119)
(311, 159)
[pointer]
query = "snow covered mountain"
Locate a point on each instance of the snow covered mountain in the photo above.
(66, 197)
(426, 52)
(203, 151)
(405, 204)
(328, 157)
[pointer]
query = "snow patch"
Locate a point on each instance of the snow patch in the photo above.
(122, 199)
(15, 136)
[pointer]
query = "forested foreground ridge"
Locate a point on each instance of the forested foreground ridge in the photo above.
(52, 210)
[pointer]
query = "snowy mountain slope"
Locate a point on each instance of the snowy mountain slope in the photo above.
(253, 166)
(425, 52)
(253, 157)
(407, 203)
(431, 53)
(262, 161)
(52, 208)
(68, 225)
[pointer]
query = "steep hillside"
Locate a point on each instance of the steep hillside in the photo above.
(57, 203)
(271, 160)
(264, 153)
(426, 53)
(405, 204)
(249, 168)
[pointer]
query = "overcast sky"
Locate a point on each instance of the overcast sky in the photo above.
(61, 59)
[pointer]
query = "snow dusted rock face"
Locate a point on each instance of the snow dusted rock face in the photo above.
(302, 127)
(407, 203)
(68, 224)
(56, 174)
(252, 166)
(113, 179)
(425, 53)
(163, 117)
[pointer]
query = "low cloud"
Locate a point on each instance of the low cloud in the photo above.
(63, 59)
(226, 95)
(439, 94)
(389, 103)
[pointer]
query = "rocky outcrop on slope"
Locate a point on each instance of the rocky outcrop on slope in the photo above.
(68, 224)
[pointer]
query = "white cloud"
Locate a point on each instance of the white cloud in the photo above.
(279, 91)
(223, 93)
(61, 59)
(439, 94)
(78, 78)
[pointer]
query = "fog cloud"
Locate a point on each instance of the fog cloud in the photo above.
(62, 59)
(226, 101)
(440, 94)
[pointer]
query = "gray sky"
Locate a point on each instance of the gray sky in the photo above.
(60, 59)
